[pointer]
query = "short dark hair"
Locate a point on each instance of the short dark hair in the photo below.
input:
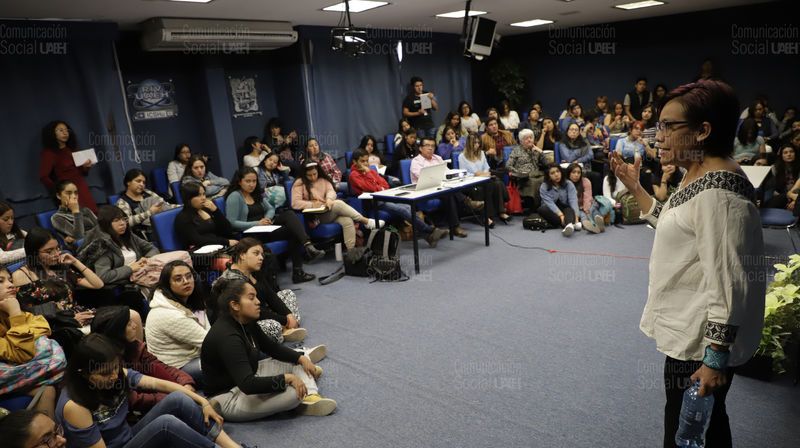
(422, 140)
(359, 153)
(641, 78)
(414, 80)
(61, 185)
(131, 175)
(711, 101)
(250, 141)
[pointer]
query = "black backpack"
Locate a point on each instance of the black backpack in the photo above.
(535, 222)
(377, 259)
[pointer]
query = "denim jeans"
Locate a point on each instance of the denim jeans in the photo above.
(404, 211)
(176, 421)
(594, 211)
(192, 368)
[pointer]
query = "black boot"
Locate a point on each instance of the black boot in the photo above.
(300, 276)
(313, 254)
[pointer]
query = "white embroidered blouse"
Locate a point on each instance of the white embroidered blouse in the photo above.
(707, 278)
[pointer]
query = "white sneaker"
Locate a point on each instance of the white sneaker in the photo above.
(600, 223)
(371, 223)
(568, 230)
(578, 226)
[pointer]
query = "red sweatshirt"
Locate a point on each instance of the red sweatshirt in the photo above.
(368, 182)
(139, 359)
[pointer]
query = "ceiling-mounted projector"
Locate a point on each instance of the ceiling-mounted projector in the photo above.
(350, 41)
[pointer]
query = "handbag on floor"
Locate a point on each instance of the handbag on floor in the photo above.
(514, 204)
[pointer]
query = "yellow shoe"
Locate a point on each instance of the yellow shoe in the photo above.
(318, 370)
(317, 405)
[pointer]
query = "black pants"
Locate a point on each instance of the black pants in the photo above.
(291, 230)
(496, 197)
(447, 214)
(128, 295)
(777, 201)
(553, 219)
(676, 380)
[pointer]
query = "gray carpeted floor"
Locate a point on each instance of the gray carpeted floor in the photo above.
(505, 347)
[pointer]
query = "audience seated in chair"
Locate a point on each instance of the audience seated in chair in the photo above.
(749, 148)
(12, 238)
(370, 145)
(618, 122)
(549, 136)
(636, 99)
(280, 315)
(473, 161)
(450, 142)
(470, 122)
(575, 116)
(365, 180)
(493, 141)
(246, 386)
(670, 180)
(313, 153)
(565, 113)
(402, 128)
(315, 189)
(19, 331)
(527, 167)
(785, 180)
(407, 149)
(196, 173)
(139, 204)
(491, 113)
(178, 320)
(177, 166)
(272, 177)
(119, 324)
(254, 152)
(201, 223)
(71, 221)
(533, 123)
(246, 207)
(600, 109)
(559, 201)
(425, 158)
(508, 118)
(96, 377)
(453, 120)
(46, 286)
(575, 149)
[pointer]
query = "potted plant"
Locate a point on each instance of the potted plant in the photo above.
(780, 337)
(508, 80)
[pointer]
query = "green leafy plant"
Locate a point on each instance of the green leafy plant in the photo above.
(781, 314)
(507, 78)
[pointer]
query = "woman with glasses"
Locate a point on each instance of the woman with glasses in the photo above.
(31, 429)
(46, 285)
(178, 321)
(707, 253)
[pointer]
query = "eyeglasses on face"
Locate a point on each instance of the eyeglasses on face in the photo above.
(186, 278)
(50, 440)
(664, 126)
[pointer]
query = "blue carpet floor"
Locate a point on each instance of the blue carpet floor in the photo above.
(505, 347)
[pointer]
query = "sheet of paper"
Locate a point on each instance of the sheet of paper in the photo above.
(425, 102)
(80, 157)
(211, 248)
(262, 229)
(322, 209)
(365, 196)
(382, 170)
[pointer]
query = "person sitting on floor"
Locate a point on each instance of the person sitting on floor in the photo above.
(588, 208)
(314, 190)
(46, 285)
(473, 161)
(31, 429)
(93, 407)
(246, 385)
(559, 201)
(139, 204)
(196, 173)
(280, 315)
(119, 324)
(364, 180)
(71, 221)
(178, 319)
(245, 207)
(786, 180)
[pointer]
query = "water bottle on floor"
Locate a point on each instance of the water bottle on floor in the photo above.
(694, 419)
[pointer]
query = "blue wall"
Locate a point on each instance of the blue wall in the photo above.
(667, 50)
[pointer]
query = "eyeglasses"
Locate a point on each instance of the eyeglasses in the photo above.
(51, 251)
(51, 440)
(664, 126)
(186, 278)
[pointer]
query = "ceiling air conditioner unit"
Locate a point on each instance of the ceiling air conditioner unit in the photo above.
(219, 36)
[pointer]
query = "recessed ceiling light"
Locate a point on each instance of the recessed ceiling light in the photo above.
(356, 6)
(534, 22)
(459, 14)
(637, 5)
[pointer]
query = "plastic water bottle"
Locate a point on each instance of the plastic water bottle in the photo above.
(694, 419)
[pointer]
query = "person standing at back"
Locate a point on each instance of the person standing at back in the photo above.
(420, 118)
(636, 99)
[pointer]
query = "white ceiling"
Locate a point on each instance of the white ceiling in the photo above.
(414, 14)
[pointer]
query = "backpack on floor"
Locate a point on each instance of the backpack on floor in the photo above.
(535, 222)
(384, 265)
(630, 209)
